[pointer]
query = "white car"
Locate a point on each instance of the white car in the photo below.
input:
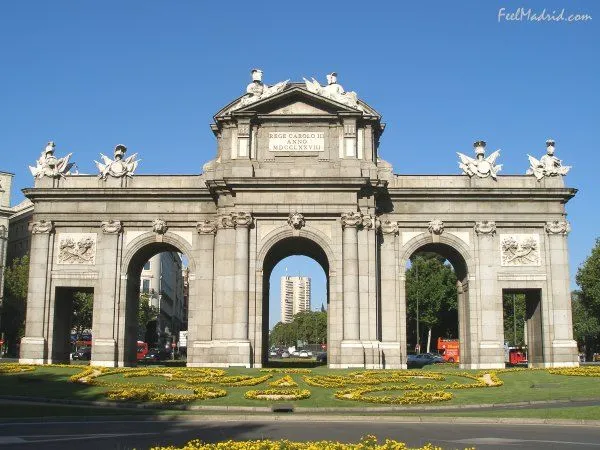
(303, 354)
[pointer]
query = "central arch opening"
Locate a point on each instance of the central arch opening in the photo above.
(309, 337)
(156, 305)
(437, 304)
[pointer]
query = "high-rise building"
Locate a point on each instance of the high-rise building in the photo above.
(295, 297)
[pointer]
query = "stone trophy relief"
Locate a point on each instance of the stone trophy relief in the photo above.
(520, 250)
(76, 248)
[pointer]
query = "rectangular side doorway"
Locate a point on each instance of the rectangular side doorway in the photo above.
(64, 320)
(523, 327)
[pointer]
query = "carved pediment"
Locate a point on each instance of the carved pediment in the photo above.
(295, 99)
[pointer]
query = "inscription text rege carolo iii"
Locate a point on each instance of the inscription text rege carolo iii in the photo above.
(296, 142)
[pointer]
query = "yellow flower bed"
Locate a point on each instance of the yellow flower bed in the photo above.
(285, 381)
(407, 398)
(366, 443)
(15, 368)
(590, 371)
(244, 380)
(142, 394)
(287, 370)
(277, 394)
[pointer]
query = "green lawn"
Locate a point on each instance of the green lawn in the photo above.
(519, 386)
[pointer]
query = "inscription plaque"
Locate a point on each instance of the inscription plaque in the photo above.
(296, 141)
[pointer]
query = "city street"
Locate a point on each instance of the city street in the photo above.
(123, 433)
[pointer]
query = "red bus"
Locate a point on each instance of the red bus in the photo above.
(142, 350)
(449, 349)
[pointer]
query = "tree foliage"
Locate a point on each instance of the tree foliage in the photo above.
(83, 307)
(147, 316)
(586, 326)
(432, 283)
(588, 279)
(514, 319)
(16, 279)
(307, 326)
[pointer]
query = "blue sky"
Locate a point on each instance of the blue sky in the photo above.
(151, 74)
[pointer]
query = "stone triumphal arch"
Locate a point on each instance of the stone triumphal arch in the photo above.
(297, 171)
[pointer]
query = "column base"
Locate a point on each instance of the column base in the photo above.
(33, 350)
(104, 353)
(370, 355)
(223, 353)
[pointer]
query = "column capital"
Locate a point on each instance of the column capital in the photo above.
(41, 227)
(388, 227)
(206, 227)
(369, 221)
(561, 227)
(111, 226)
(487, 227)
(352, 219)
(242, 219)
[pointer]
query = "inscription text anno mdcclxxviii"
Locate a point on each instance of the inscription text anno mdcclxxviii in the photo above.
(296, 141)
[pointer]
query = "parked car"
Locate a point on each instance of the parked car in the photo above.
(422, 360)
(285, 355)
(84, 354)
(303, 354)
(322, 357)
(153, 355)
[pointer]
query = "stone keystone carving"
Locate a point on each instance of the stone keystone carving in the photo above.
(296, 220)
(41, 227)
(333, 91)
(436, 226)
(111, 226)
(481, 166)
(118, 167)
(257, 90)
(241, 219)
(389, 227)
(548, 165)
(558, 227)
(485, 227)
(159, 226)
(49, 165)
(352, 219)
(206, 227)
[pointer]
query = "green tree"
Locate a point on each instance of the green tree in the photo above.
(308, 326)
(16, 280)
(147, 315)
(431, 282)
(514, 319)
(588, 279)
(83, 307)
(586, 326)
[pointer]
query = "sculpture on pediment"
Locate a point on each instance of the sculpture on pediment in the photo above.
(118, 167)
(257, 90)
(436, 226)
(333, 91)
(296, 220)
(548, 165)
(480, 166)
(49, 165)
(159, 226)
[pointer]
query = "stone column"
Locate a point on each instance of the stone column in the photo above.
(224, 257)
(242, 222)
(350, 223)
(104, 326)
(34, 345)
(558, 333)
